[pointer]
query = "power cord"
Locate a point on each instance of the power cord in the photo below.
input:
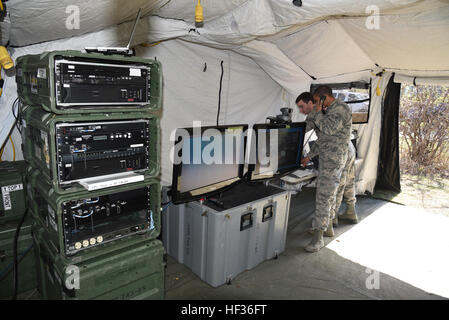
(219, 92)
(16, 262)
(8, 268)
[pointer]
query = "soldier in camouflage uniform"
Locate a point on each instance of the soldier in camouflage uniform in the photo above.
(333, 128)
(346, 189)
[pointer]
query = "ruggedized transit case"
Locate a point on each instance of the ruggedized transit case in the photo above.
(86, 224)
(218, 243)
(73, 148)
(25, 254)
(12, 201)
(132, 273)
(74, 82)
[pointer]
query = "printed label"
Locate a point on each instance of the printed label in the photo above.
(42, 73)
(44, 137)
(133, 72)
(33, 86)
(6, 196)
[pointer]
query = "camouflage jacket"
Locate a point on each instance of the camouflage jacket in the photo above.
(333, 130)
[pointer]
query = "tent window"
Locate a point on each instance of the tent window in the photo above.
(356, 94)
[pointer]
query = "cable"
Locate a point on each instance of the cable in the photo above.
(86, 216)
(219, 92)
(8, 268)
(13, 150)
(16, 262)
(166, 206)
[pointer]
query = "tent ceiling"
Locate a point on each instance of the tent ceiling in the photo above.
(415, 43)
(413, 37)
(325, 49)
(43, 20)
(185, 9)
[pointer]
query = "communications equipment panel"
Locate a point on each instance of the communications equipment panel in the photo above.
(93, 221)
(93, 149)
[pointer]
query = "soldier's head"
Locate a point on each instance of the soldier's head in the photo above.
(305, 102)
(323, 91)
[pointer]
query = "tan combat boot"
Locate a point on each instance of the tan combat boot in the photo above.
(317, 242)
(329, 231)
(335, 221)
(350, 214)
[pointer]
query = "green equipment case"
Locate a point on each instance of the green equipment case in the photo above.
(100, 226)
(65, 82)
(40, 145)
(12, 201)
(27, 279)
(135, 272)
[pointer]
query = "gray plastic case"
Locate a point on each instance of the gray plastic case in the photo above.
(219, 245)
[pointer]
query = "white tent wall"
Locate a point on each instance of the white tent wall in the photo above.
(369, 137)
(190, 94)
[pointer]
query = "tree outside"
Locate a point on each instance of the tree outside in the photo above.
(424, 147)
(424, 130)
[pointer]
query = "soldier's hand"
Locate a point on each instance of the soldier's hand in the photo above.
(305, 161)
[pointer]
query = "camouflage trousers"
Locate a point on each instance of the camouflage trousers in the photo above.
(346, 189)
(329, 176)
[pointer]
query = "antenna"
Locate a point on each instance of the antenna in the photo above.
(127, 51)
(134, 28)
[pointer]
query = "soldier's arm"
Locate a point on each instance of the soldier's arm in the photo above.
(309, 125)
(313, 150)
(330, 122)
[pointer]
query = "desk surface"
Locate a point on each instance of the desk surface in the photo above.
(243, 193)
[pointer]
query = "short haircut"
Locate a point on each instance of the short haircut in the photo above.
(305, 96)
(323, 90)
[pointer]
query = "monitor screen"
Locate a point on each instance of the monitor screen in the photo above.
(206, 160)
(276, 149)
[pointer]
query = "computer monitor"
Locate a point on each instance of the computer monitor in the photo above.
(276, 149)
(206, 160)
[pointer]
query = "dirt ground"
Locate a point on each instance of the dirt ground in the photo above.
(428, 193)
